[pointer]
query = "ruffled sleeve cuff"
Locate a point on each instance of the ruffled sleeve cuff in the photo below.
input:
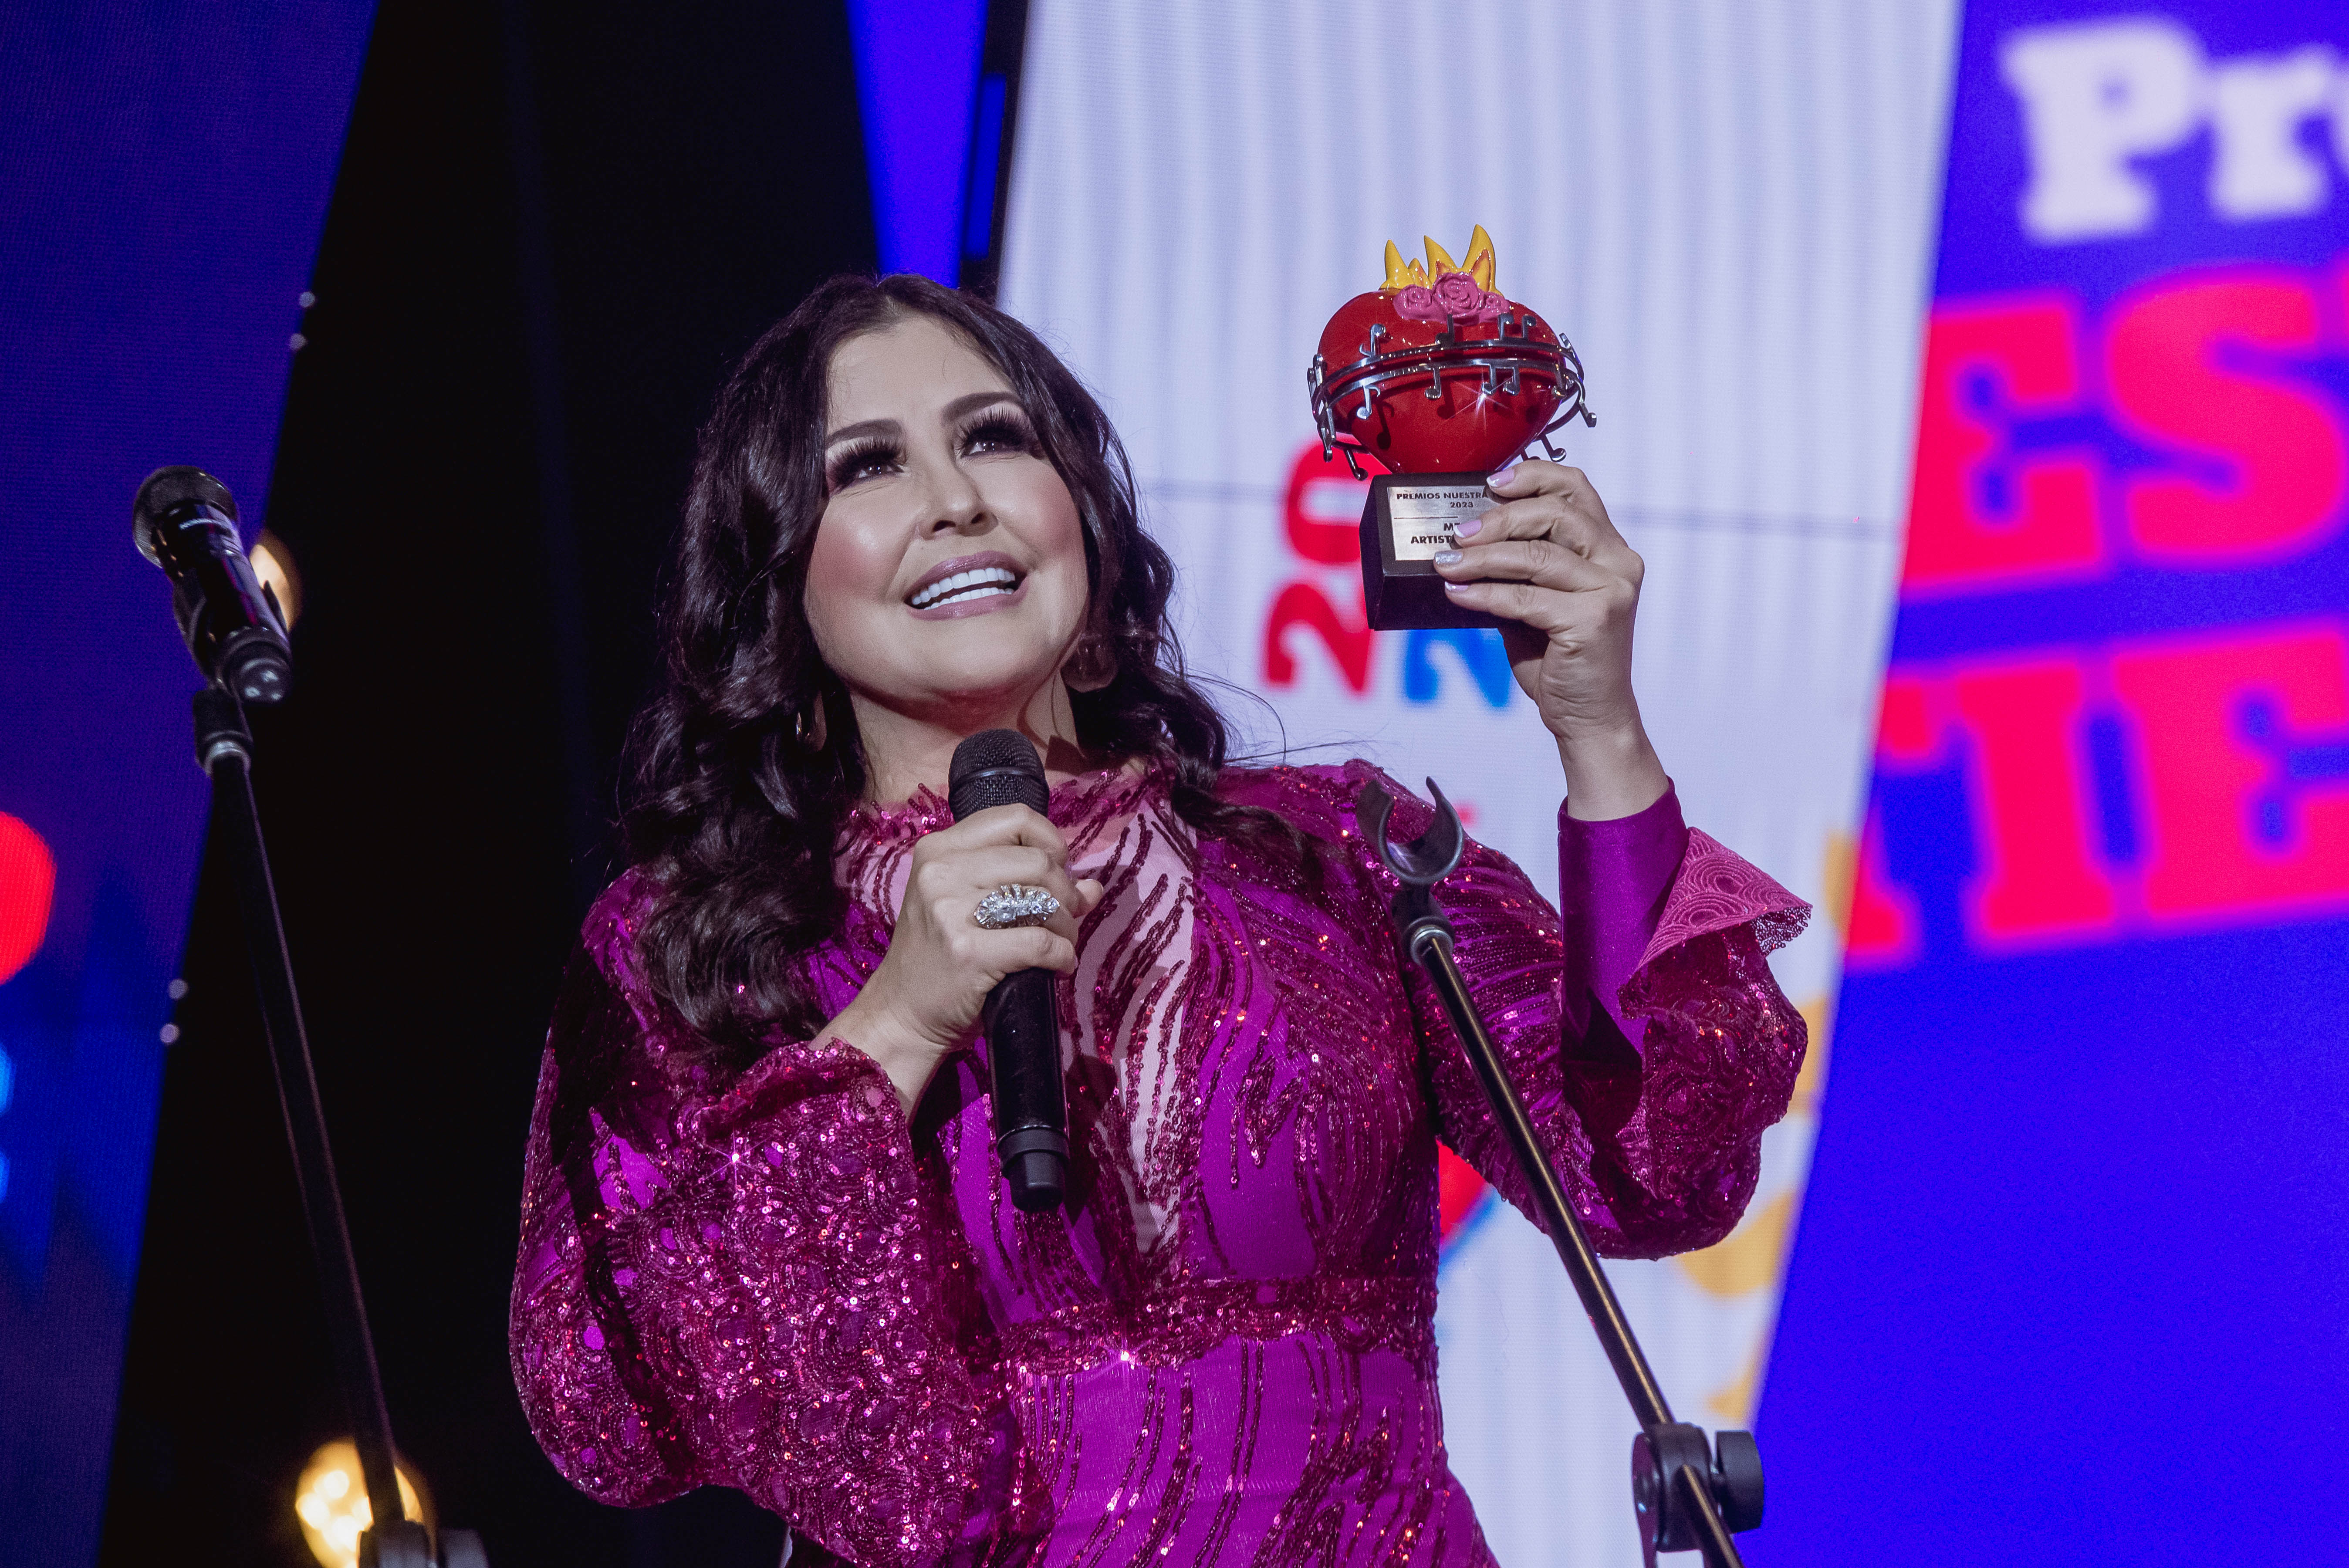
(1637, 888)
(1715, 890)
(1704, 1047)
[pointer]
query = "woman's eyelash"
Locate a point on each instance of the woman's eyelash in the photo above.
(1002, 428)
(852, 462)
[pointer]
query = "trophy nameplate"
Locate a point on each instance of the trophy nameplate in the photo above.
(1408, 519)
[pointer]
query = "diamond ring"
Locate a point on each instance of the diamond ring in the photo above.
(1014, 903)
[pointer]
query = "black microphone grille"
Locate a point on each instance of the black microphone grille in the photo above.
(167, 489)
(995, 767)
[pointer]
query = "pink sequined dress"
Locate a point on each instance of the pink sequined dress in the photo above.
(1219, 1350)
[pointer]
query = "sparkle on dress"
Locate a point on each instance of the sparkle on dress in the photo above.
(1220, 1349)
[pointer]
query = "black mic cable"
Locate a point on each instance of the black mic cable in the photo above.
(1000, 768)
(184, 520)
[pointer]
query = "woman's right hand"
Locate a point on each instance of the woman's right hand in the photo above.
(923, 999)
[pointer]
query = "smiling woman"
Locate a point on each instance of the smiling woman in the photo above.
(764, 1241)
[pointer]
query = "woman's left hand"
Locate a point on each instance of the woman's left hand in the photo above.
(1547, 560)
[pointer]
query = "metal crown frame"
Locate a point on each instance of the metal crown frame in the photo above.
(1503, 361)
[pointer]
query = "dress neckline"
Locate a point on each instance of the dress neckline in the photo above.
(1080, 797)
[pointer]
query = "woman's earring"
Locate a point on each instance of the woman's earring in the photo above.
(1092, 665)
(807, 728)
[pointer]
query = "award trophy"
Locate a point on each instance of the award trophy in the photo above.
(1439, 379)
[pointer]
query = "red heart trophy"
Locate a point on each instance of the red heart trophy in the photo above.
(1441, 380)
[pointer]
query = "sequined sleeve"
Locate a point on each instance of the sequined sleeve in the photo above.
(1645, 1031)
(755, 1287)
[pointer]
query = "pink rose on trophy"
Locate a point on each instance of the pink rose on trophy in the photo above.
(1460, 297)
(1417, 303)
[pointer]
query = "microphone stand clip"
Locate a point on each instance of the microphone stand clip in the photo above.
(1688, 1492)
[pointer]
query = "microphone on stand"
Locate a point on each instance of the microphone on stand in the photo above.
(184, 520)
(1000, 768)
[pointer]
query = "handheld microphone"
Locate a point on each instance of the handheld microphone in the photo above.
(184, 520)
(999, 768)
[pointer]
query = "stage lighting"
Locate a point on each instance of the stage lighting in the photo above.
(273, 564)
(332, 1503)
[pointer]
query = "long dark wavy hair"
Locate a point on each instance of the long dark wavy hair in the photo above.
(743, 767)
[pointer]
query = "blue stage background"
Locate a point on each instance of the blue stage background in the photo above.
(2069, 1283)
(164, 170)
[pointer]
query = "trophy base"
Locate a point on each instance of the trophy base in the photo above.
(1407, 520)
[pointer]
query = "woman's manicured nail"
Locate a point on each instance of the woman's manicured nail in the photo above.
(1504, 477)
(1446, 557)
(1470, 527)
(1451, 587)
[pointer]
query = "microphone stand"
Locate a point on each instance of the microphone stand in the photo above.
(224, 750)
(1687, 1494)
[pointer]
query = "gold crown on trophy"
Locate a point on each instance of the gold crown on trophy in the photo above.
(1479, 266)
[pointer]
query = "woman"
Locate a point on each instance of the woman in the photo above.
(765, 1244)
